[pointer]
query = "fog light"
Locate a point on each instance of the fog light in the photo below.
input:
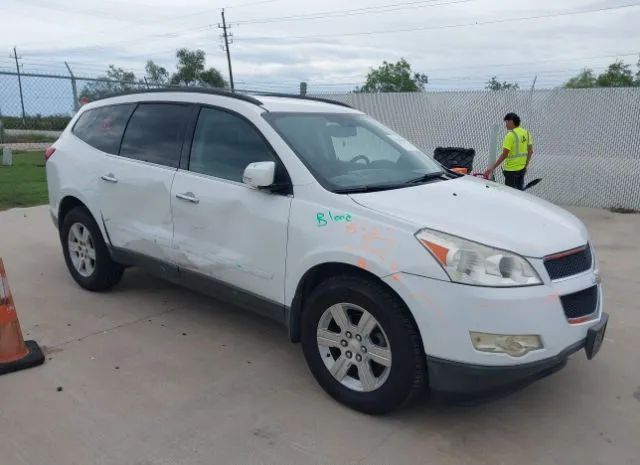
(515, 345)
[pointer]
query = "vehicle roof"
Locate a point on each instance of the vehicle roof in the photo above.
(294, 104)
(270, 103)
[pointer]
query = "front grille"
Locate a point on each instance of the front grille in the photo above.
(581, 303)
(568, 263)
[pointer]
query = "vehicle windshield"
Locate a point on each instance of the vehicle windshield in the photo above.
(353, 152)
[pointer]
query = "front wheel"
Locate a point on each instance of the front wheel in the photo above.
(361, 344)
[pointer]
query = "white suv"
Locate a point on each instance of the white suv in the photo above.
(394, 273)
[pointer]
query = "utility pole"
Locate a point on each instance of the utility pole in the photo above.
(228, 38)
(15, 55)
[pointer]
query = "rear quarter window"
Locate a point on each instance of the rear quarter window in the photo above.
(103, 127)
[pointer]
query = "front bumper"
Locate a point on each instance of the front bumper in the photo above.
(462, 380)
(446, 313)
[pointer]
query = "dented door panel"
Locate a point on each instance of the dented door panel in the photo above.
(234, 233)
(136, 209)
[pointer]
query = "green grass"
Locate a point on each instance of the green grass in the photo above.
(24, 184)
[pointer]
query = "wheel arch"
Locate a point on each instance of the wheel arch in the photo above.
(68, 203)
(71, 201)
(316, 275)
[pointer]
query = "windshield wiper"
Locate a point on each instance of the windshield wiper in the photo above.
(425, 178)
(365, 188)
(382, 187)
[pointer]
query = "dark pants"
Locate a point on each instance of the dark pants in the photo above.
(515, 179)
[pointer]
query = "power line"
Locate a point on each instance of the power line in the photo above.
(494, 66)
(44, 62)
(535, 62)
(171, 34)
(260, 2)
(352, 12)
(449, 26)
(166, 35)
(488, 71)
(180, 33)
(51, 64)
(302, 17)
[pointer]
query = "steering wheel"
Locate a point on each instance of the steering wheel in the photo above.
(360, 157)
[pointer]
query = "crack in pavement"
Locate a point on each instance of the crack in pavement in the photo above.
(122, 325)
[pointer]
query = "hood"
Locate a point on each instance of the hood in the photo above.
(484, 212)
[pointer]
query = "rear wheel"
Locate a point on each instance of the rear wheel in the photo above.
(362, 345)
(86, 253)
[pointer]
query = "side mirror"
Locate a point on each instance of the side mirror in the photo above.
(259, 174)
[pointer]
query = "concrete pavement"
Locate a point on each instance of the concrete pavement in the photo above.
(155, 374)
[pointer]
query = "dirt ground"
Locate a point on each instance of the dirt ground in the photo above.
(154, 374)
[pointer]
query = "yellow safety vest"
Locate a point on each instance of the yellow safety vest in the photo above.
(517, 141)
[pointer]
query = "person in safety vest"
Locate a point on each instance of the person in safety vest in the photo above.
(517, 149)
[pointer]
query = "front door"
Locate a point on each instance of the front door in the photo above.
(224, 229)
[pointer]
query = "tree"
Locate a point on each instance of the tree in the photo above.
(212, 78)
(585, 79)
(156, 74)
(618, 74)
(494, 84)
(191, 70)
(115, 80)
(394, 77)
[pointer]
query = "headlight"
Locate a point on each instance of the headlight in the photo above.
(468, 262)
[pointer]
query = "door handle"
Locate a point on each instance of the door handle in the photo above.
(189, 197)
(109, 177)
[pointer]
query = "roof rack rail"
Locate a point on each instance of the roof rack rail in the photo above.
(200, 90)
(302, 97)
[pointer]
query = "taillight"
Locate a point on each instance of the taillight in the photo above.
(49, 151)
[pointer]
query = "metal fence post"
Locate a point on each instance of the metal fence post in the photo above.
(74, 90)
(24, 117)
(303, 89)
(493, 144)
(531, 92)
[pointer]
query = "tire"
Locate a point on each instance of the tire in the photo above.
(101, 272)
(396, 334)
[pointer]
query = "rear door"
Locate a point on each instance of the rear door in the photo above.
(135, 185)
(224, 229)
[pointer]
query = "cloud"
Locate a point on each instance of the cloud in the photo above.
(95, 33)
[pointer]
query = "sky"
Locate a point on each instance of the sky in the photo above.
(331, 44)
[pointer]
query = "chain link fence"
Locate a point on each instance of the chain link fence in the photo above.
(586, 141)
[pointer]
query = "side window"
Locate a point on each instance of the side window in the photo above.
(102, 127)
(224, 144)
(155, 133)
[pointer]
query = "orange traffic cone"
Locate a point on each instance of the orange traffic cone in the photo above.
(15, 354)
